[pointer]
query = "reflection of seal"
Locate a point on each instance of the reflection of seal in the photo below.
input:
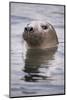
(40, 35)
(38, 63)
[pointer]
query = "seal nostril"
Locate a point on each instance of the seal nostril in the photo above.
(25, 29)
(31, 28)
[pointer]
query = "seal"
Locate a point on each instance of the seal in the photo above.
(39, 34)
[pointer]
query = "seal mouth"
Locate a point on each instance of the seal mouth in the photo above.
(33, 39)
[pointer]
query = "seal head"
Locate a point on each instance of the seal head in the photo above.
(40, 34)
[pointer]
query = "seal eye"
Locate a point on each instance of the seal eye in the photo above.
(44, 27)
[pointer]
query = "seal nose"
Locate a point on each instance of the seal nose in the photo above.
(28, 29)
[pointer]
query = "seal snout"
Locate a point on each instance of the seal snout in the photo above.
(28, 29)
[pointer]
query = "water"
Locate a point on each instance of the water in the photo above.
(36, 72)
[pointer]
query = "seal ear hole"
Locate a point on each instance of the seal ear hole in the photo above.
(44, 27)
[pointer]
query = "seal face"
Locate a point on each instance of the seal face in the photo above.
(40, 34)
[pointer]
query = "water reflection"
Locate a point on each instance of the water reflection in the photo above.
(37, 63)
